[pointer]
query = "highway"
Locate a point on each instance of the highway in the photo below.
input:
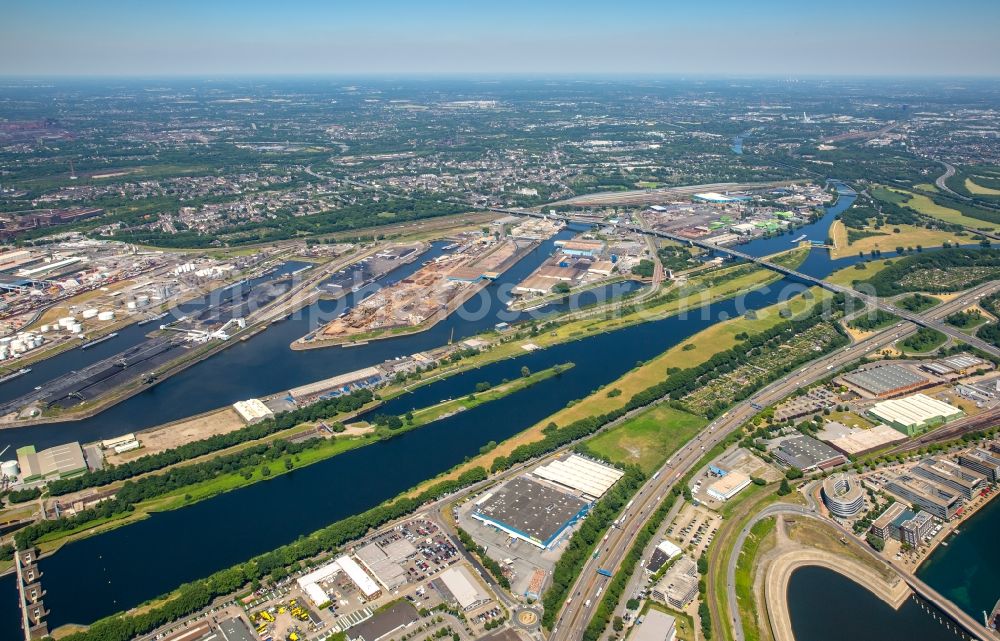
(575, 614)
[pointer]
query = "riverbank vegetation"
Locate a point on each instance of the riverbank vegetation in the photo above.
(325, 409)
(186, 484)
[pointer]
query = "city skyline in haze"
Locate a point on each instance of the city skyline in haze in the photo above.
(770, 37)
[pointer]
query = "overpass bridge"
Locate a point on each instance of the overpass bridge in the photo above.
(868, 299)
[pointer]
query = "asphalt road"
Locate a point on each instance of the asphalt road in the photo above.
(576, 614)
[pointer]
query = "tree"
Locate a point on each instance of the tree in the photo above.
(525, 371)
(784, 488)
(793, 473)
(562, 287)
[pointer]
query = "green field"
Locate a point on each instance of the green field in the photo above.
(648, 439)
(926, 206)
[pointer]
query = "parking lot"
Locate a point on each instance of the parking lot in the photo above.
(693, 528)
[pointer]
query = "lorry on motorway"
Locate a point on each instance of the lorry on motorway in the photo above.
(587, 603)
(604, 572)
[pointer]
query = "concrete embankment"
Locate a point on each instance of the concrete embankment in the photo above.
(779, 572)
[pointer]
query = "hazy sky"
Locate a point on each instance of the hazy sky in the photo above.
(781, 37)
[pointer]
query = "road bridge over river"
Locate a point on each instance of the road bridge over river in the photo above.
(869, 299)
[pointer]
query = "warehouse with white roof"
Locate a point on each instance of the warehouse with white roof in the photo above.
(914, 414)
(581, 474)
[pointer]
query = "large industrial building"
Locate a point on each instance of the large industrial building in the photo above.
(843, 495)
(806, 453)
(531, 511)
(854, 441)
(914, 414)
(59, 462)
(590, 478)
(981, 461)
(384, 562)
(398, 616)
(956, 366)
(941, 501)
(949, 473)
(885, 381)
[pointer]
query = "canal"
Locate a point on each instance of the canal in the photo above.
(126, 566)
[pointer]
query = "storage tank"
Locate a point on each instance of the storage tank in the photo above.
(44, 328)
(89, 313)
(66, 321)
(142, 300)
(130, 305)
(106, 316)
(75, 328)
(9, 469)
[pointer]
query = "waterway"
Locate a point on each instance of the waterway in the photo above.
(826, 606)
(264, 364)
(967, 570)
(126, 566)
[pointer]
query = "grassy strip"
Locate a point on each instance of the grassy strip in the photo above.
(475, 399)
(744, 578)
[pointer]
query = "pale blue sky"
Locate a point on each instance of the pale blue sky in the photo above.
(773, 37)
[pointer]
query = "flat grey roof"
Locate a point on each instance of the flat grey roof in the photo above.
(236, 629)
(384, 623)
(804, 452)
(531, 508)
(883, 379)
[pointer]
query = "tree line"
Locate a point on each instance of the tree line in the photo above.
(285, 420)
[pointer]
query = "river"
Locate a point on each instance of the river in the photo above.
(126, 566)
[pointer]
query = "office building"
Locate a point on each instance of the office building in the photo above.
(949, 473)
(882, 525)
(843, 495)
(982, 461)
(940, 500)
